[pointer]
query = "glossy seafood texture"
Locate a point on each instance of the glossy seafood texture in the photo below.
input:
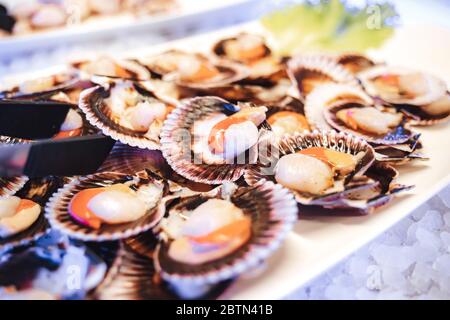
(326, 169)
(62, 85)
(209, 140)
(252, 51)
(127, 111)
(107, 205)
(206, 236)
(423, 97)
(193, 70)
(22, 212)
(287, 117)
(349, 109)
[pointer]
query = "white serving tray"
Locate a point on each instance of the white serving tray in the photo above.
(316, 244)
(188, 12)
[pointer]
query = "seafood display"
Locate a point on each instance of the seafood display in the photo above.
(27, 16)
(217, 156)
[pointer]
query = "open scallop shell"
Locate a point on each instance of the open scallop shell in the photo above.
(375, 189)
(344, 189)
(64, 78)
(437, 87)
(354, 62)
(273, 212)
(58, 215)
(218, 48)
(176, 141)
(397, 135)
(229, 72)
(308, 71)
(98, 113)
(252, 93)
(418, 117)
(325, 95)
(39, 191)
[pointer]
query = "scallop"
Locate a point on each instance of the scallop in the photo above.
(209, 216)
(286, 122)
(17, 215)
(369, 119)
(303, 173)
(402, 85)
(115, 207)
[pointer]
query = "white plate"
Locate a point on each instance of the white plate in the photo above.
(188, 11)
(317, 244)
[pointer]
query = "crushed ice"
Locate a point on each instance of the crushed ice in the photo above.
(409, 261)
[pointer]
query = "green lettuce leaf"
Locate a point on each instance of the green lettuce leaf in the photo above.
(329, 26)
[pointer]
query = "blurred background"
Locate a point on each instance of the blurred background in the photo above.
(138, 26)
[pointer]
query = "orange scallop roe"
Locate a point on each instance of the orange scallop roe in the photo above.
(301, 119)
(67, 134)
(204, 72)
(388, 79)
(237, 230)
(339, 160)
(244, 54)
(78, 207)
(25, 204)
(216, 137)
(347, 117)
(121, 72)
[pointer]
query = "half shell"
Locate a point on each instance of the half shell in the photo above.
(324, 95)
(39, 191)
(99, 112)
(354, 190)
(397, 135)
(273, 213)
(111, 67)
(177, 140)
(57, 209)
(161, 66)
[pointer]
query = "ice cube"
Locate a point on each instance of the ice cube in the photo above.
(421, 277)
(427, 238)
(400, 257)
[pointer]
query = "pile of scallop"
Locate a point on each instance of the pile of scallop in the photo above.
(217, 156)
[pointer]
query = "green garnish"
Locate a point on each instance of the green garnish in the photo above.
(329, 26)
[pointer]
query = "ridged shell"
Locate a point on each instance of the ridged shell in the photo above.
(230, 72)
(399, 134)
(176, 146)
(39, 191)
(134, 68)
(438, 89)
(354, 183)
(273, 212)
(99, 115)
(324, 95)
(308, 71)
(354, 62)
(58, 215)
